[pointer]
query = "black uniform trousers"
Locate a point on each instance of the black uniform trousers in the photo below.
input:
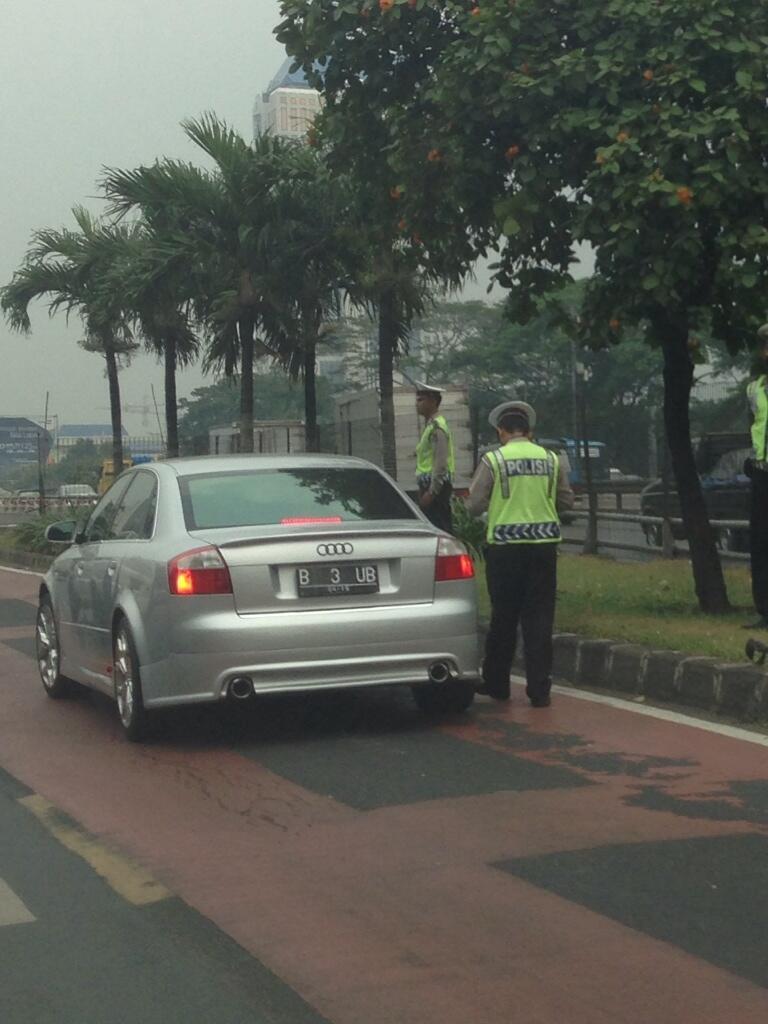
(522, 584)
(439, 512)
(758, 544)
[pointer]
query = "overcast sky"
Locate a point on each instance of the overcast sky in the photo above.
(89, 83)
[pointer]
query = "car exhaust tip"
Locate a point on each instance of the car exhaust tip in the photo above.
(241, 688)
(439, 672)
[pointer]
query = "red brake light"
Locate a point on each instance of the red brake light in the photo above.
(308, 520)
(452, 562)
(200, 571)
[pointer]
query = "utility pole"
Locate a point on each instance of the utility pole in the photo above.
(40, 474)
(590, 541)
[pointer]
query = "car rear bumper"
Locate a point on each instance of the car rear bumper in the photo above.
(288, 652)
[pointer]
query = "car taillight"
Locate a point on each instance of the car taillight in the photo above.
(452, 562)
(200, 571)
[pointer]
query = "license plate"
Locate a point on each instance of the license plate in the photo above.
(334, 580)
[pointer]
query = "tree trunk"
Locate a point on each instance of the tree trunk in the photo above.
(678, 379)
(387, 345)
(246, 328)
(171, 407)
(312, 440)
(115, 410)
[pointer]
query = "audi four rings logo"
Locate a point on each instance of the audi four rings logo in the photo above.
(334, 549)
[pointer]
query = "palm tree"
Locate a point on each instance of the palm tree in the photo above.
(72, 269)
(212, 228)
(156, 301)
(312, 251)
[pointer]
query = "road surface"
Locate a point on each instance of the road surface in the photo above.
(347, 861)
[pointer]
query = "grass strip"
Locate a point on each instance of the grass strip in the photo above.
(649, 603)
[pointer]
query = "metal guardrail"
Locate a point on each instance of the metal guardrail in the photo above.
(641, 520)
(31, 504)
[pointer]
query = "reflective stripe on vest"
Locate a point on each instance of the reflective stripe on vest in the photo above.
(424, 456)
(522, 506)
(757, 392)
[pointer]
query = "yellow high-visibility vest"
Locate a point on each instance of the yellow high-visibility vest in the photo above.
(522, 507)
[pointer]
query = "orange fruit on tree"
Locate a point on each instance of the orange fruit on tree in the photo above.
(434, 155)
(622, 137)
(512, 152)
(614, 324)
(386, 5)
(475, 11)
(648, 74)
(684, 195)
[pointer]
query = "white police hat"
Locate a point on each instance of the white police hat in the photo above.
(422, 387)
(522, 408)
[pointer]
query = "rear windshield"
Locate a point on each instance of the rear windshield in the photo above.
(289, 497)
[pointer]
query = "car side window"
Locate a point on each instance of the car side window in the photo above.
(135, 518)
(99, 525)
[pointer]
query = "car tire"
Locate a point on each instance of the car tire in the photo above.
(127, 681)
(48, 652)
(452, 697)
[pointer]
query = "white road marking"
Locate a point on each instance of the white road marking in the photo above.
(732, 731)
(12, 910)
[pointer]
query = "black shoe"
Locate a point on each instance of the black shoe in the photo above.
(540, 702)
(761, 623)
(484, 691)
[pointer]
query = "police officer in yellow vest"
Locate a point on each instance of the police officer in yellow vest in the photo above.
(524, 488)
(757, 468)
(435, 459)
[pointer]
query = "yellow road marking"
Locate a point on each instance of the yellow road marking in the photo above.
(12, 910)
(133, 883)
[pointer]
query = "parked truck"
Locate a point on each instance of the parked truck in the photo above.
(270, 437)
(358, 430)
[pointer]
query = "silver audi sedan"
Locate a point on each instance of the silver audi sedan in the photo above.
(225, 577)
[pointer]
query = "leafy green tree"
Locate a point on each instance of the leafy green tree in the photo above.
(71, 268)
(474, 344)
(80, 464)
(638, 127)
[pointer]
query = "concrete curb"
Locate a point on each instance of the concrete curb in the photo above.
(737, 690)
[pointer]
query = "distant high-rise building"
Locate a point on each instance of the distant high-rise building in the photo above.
(288, 107)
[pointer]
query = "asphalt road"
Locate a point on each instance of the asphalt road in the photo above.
(345, 860)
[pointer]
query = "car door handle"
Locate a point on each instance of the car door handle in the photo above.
(111, 568)
(79, 570)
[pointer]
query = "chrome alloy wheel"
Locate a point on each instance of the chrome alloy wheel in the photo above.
(47, 647)
(124, 674)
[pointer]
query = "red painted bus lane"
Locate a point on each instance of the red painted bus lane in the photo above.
(579, 864)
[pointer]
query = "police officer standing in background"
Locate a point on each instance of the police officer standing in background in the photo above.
(757, 470)
(524, 488)
(435, 461)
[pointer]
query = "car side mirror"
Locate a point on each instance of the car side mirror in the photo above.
(64, 532)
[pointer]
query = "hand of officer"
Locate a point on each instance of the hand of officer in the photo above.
(426, 499)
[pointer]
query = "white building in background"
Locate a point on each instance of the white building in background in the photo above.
(288, 107)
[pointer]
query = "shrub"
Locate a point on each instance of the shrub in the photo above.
(468, 529)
